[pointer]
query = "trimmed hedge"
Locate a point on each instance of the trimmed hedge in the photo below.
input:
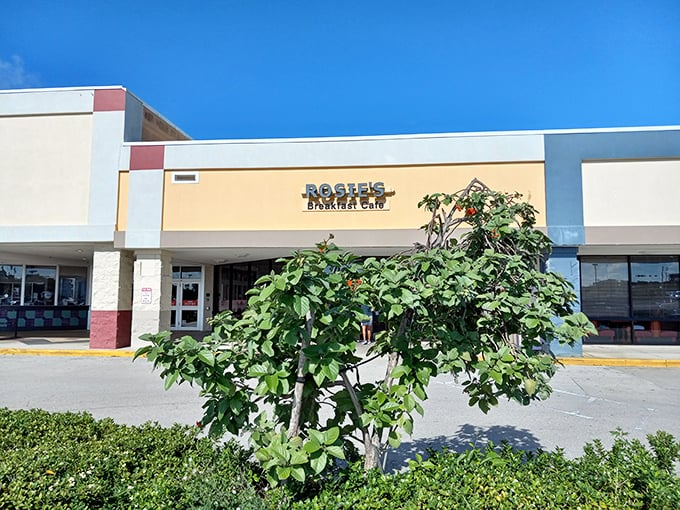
(68, 460)
(627, 476)
(73, 461)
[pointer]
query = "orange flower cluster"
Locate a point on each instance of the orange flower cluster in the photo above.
(353, 284)
(470, 211)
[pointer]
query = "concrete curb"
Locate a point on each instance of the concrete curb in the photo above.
(111, 353)
(119, 353)
(621, 362)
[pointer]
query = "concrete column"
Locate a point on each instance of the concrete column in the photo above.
(111, 309)
(564, 261)
(152, 293)
(209, 299)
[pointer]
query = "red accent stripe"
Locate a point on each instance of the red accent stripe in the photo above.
(109, 100)
(147, 157)
(110, 329)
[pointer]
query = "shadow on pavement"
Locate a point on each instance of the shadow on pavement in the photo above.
(467, 437)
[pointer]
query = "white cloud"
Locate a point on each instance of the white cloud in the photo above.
(14, 76)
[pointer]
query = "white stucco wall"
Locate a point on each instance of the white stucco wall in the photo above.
(45, 169)
(631, 193)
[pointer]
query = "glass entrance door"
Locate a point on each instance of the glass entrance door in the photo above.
(186, 298)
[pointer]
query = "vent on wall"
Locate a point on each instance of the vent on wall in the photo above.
(184, 177)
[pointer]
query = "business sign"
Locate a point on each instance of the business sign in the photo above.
(351, 196)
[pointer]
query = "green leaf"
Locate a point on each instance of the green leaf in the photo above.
(419, 392)
(331, 435)
(298, 458)
(267, 348)
(312, 445)
(267, 291)
(409, 402)
(394, 439)
(170, 380)
(532, 323)
(298, 473)
(272, 382)
(319, 378)
(301, 305)
(331, 370)
(319, 463)
(396, 310)
(282, 473)
(316, 436)
(530, 386)
(336, 451)
(398, 371)
(207, 357)
(279, 282)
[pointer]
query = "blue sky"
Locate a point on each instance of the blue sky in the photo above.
(256, 68)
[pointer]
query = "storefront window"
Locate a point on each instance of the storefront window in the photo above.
(604, 287)
(10, 284)
(186, 272)
(655, 287)
(72, 286)
(235, 280)
(632, 299)
(40, 285)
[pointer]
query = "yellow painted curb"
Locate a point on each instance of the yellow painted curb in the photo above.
(621, 362)
(111, 353)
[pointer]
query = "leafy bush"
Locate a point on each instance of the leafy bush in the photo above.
(73, 461)
(626, 476)
(68, 460)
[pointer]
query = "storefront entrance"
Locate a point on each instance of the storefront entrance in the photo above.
(186, 307)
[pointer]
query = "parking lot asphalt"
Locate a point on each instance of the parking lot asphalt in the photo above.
(588, 402)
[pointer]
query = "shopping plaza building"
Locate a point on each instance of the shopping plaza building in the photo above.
(114, 220)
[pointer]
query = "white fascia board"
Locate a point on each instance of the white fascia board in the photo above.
(46, 101)
(58, 234)
(379, 151)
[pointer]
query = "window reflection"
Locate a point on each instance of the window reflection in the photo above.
(235, 280)
(10, 284)
(643, 308)
(655, 287)
(72, 286)
(604, 286)
(40, 285)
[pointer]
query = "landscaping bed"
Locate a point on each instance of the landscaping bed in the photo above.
(69, 460)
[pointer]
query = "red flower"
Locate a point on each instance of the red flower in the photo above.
(349, 283)
(459, 207)
(358, 282)
(199, 424)
(470, 211)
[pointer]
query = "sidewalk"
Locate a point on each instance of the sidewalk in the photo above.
(76, 343)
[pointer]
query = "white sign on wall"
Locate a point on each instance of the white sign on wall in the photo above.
(146, 295)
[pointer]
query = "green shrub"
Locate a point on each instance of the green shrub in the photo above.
(72, 461)
(68, 460)
(624, 477)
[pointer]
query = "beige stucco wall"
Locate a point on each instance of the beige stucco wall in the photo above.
(45, 169)
(123, 189)
(630, 193)
(266, 199)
